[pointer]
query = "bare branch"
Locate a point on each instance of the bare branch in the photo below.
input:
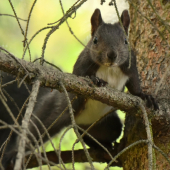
(149, 137)
(62, 20)
(12, 16)
(80, 85)
(29, 16)
(75, 127)
(25, 122)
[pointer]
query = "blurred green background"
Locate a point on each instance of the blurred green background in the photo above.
(62, 48)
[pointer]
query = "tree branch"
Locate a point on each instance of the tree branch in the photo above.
(50, 78)
(25, 122)
(97, 155)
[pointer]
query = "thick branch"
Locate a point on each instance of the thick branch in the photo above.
(49, 77)
(97, 155)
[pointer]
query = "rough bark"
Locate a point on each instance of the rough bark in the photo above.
(153, 59)
(51, 78)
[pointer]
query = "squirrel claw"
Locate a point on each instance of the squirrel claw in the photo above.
(98, 82)
(150, 101)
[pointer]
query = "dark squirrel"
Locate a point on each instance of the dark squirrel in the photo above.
(105, 59)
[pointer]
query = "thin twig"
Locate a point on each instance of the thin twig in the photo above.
(25, 122)
(9, 111)
(75, 127)
(19, 134)
(2, 94)
(68, 14)
(73, 154)
(44, 160)
(1, 48)
(6, 127)
(33, 148)
(149, 136)
(8, 83)
(163, 153)
(11, 99)
(104, 148)
(26, 86)
(29, 16)
(22, 80)
(97, 121)
(53, 65)
(69, 25)
(42, 143)
(55, 121)
(124, 150)
(48, 135)
(22, 31)
(8, 139)
(129, 47)
(12, 16)
(59, 116)
(27, 45)
(85, 132)
(61, 138)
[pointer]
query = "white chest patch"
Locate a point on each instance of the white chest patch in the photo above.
(113, 75)
(95, 109)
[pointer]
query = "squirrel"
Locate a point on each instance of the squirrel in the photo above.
(105, 60)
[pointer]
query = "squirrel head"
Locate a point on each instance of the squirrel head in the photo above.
(109, 44)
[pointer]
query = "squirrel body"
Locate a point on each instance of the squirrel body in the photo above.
(115, 79)
(99, 60)
(105, 59)
(114, 76)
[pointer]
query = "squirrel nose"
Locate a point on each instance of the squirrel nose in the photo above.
(111, 55)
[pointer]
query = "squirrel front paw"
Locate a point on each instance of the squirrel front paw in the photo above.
(98, 82)
(150, 101)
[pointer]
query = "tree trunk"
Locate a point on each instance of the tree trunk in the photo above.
(149, 36)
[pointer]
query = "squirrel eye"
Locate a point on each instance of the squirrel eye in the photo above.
(126, 41)
(95, 40)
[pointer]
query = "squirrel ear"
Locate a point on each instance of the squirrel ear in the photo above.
(96, 21)
(125, 18)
